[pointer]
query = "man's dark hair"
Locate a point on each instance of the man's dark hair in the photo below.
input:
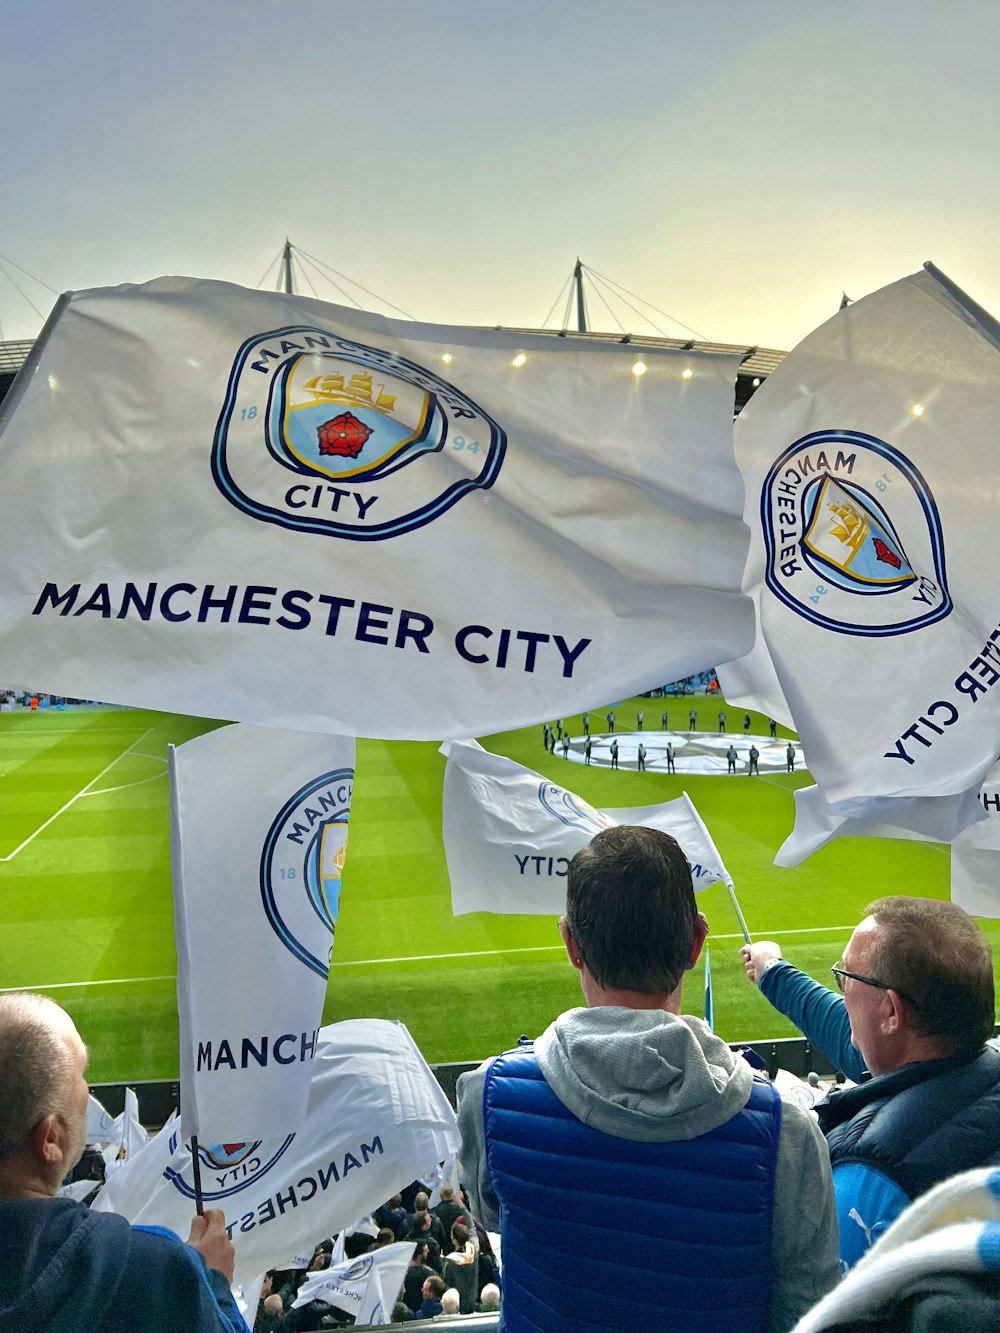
(437, 1286)
(459, 1233)
(630, 909)
(935, 953)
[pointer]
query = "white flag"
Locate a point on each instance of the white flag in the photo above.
(975, 856)
(376, 1117)
(349, 1285)
(920, 818)
(510, 834)
(255, 506)
(100, 1122)
(869, 458)
(259, 836)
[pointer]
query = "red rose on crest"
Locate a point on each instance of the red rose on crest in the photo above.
(887, 557)
(344, 435)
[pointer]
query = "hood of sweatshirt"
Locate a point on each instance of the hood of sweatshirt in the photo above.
(58, 1259)
(642, 1073)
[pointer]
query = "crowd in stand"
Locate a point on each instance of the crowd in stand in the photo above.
(452, 1270)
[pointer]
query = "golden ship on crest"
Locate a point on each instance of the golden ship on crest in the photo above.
(358, 391)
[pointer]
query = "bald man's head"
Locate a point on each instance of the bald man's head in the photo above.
(41, 1073)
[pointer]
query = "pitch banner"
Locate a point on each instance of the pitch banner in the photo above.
(376, 1117)
(261, 507)
(510, 834)
(869, 459)
(259, 821)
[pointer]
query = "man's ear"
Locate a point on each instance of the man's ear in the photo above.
(48, 1139)
(700, 936)
(894, 1014)
(572, 952)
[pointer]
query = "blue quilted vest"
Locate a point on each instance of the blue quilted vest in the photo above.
(602, 1233)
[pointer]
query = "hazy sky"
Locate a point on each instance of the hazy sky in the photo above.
(738, 165)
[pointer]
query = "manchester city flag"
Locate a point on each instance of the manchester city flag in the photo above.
(869, 459)
(510, 834)
(258, 843)
(377, 1117)
(257, 506)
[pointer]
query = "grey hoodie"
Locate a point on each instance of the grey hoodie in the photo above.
(644, 1074)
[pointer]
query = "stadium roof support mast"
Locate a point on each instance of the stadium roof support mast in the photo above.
(581, 309)
(286, 261)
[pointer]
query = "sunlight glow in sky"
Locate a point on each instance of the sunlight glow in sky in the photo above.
(737, 166)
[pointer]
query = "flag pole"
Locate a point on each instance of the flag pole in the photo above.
(199, 1202)
(738, 910)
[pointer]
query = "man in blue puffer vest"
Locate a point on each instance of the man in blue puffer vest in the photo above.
(911, 1028)
(640, 1176)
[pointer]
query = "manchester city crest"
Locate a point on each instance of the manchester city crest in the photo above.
(852, 536)
(301, 867)
(325, 435)
(226, 1168)
(570, 809)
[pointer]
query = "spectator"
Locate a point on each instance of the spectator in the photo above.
(916, 1011)
(416, 1275)
(432, 1291)
(401, 1313)
(62, 1266)
(425, 1226)
(450, 1303)
(626, 1105)
(448, 1210)
(393, 1215)
(489, 1297)
(461, 1267)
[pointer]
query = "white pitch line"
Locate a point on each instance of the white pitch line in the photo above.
(82, 792)
(125, 786)
(413, 958)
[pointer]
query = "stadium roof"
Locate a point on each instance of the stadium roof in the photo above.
(14, 354)
(758, 360)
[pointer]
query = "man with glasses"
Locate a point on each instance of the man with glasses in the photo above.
(629, 1140)
(910, 1025)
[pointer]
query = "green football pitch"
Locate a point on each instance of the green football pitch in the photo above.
(87, 915)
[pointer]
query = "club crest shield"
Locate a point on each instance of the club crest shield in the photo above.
(226, 1168)
(570, 809)
(325, 435)
(852, 536)
(301, 867)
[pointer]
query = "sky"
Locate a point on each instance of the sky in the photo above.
(736, 165)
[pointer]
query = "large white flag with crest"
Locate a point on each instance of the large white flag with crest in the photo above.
(258, 506)
(259, 839)
(377, 1117)
(510, 834)
(871, 468)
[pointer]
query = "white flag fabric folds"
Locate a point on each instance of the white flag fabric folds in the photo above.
(975, 855)
(869, 459)
(510, 834)
(262, 507)
(259, 839)
(919, 818)
(376, 1117)
(349, 1286)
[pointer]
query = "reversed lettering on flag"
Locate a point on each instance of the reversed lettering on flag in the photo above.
(864, 457)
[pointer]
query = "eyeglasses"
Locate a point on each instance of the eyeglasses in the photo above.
(840, 972)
